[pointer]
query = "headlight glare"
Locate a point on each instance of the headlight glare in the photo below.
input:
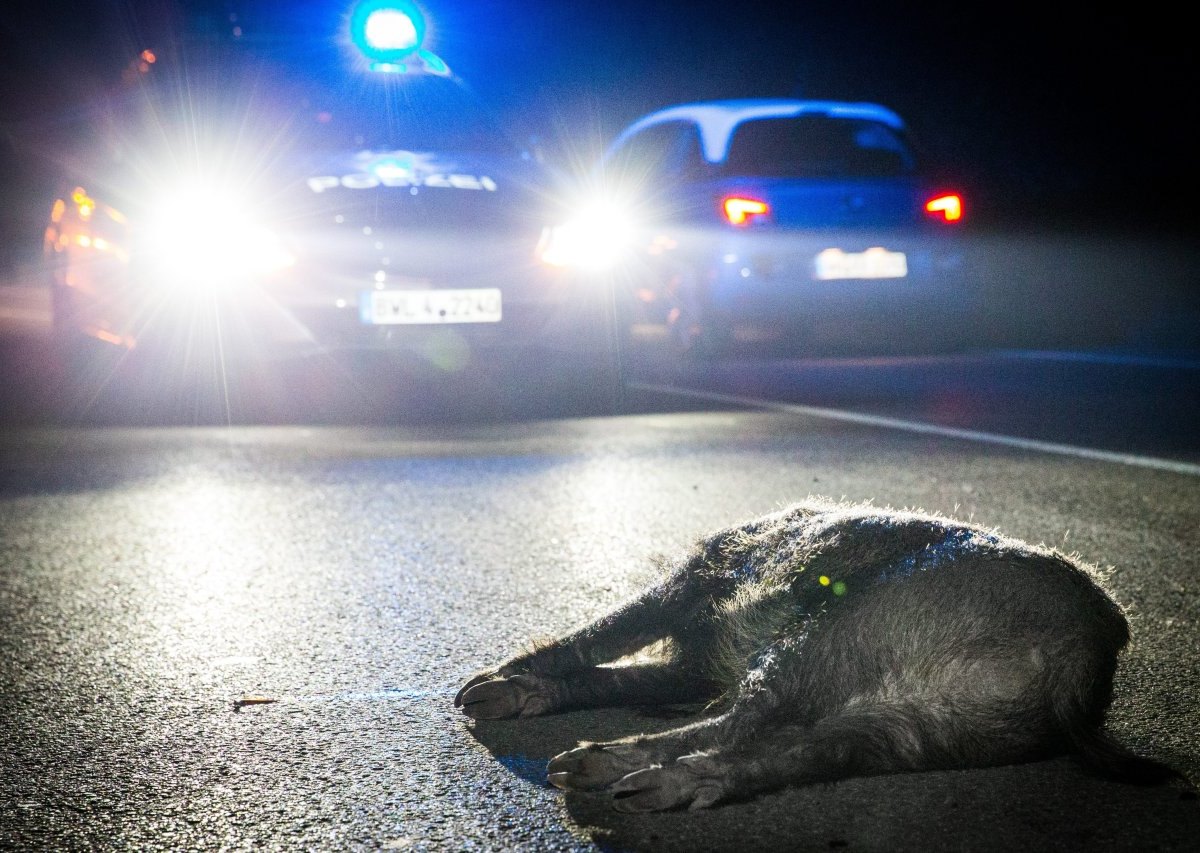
(202, 237)
(597, 238)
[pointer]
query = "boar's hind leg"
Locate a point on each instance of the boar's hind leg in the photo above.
(864, 741)
(764, 741)
(593, 766)
(864, 738)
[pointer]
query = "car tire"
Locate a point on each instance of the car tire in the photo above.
(82, 367)
(67, 341)
(691, 328)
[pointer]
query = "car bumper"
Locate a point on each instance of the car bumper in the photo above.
(760, 276)
(301, 314)
(819, 285)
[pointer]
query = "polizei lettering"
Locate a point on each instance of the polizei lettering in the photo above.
(367, 180)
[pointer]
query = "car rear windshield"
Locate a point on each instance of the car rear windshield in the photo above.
(818, 147)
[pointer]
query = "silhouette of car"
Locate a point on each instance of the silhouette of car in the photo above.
(802, 224)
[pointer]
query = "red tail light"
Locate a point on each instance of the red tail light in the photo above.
(742, 211)
(947, 207)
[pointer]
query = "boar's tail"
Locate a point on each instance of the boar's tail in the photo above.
(1099, 752)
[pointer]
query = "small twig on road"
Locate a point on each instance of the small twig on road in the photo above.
(238, 704)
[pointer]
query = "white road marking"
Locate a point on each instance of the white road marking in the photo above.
(1167, 362)
(929, 429)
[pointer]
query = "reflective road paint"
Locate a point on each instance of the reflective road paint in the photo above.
(925, 428)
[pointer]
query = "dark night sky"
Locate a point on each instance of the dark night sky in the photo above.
(1083, 114)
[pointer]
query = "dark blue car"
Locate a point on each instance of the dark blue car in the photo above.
(804, 224)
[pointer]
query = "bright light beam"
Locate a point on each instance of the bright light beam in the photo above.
(386, 31)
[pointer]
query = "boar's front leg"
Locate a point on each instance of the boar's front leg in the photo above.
(529, 695)
(565, 673)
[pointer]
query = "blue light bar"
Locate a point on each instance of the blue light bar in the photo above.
(387, 30)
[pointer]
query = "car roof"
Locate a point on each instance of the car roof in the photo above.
(717, 120)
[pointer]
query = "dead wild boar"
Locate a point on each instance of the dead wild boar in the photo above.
(834, 640)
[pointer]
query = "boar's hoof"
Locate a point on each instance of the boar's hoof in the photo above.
(593, 766)
(693, 781)
(518, 696)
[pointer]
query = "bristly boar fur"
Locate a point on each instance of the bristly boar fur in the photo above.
(837, 640)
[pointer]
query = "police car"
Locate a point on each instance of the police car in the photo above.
(807, 225)
(257, 204)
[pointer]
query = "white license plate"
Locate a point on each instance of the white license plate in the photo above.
(872, 263)
(388, 307)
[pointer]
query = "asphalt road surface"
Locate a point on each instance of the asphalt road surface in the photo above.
(150, 579)
(249, 637)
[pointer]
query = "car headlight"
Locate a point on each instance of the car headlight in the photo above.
(209, 237)
(599, 237)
